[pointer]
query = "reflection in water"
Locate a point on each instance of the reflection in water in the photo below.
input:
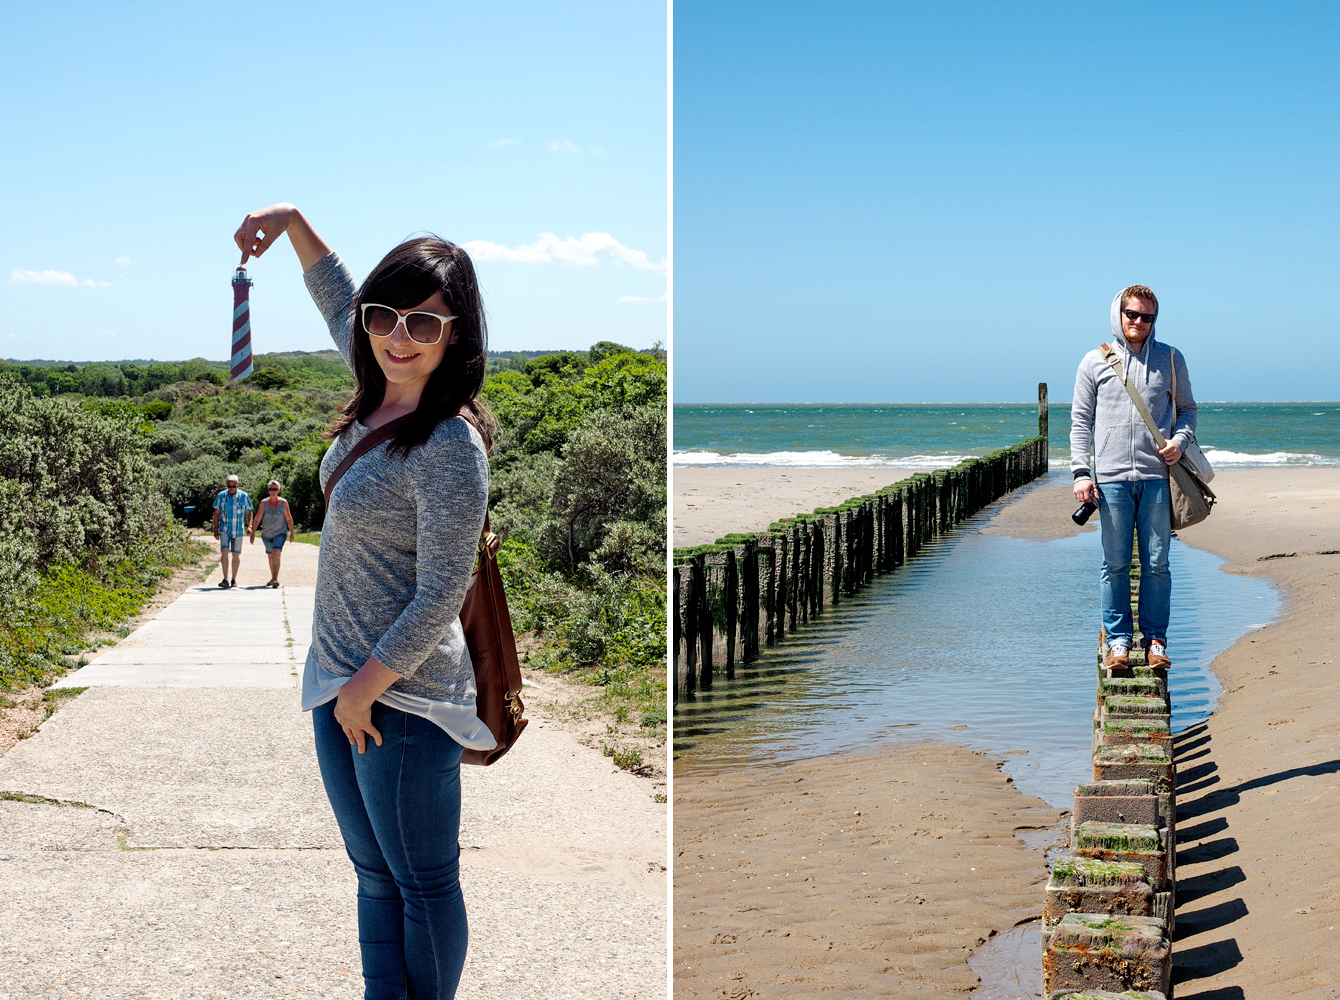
(982, 639)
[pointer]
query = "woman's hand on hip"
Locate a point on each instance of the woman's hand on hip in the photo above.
(353, 707)
(355, 718)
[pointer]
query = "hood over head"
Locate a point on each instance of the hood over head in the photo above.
(1119, 337)
(1116, 319)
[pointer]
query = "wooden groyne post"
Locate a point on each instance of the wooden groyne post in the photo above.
(748, 591)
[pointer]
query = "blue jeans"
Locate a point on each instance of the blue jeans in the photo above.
(1144, 507)
(399, 810)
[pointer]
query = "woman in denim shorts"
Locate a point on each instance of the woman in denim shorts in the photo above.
(276, 523)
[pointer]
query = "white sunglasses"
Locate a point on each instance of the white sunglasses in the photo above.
(422, 327)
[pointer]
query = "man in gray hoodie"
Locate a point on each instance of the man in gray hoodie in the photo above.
(1128, 474)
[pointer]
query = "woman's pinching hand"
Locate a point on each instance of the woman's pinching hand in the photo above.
(259, 230)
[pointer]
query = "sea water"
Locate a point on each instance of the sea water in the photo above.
(984, 640)
(932, 436)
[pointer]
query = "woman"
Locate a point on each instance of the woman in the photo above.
(388, 679)
(276, 523)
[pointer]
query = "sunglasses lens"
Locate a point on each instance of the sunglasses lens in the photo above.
(424, 328)
(380, 321)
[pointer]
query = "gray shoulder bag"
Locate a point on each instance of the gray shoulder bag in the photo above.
(1191, 498)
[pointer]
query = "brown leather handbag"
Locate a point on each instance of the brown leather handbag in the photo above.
(485, 621)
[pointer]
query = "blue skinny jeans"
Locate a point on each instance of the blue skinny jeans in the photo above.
(1142, 507)
(399, 809)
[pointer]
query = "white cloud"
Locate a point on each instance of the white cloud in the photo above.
(17, 277)
(500, 143)
(122, 261)
(52, 277)
(583, 251)
(641, 299)
(562, 146)
(104, 333)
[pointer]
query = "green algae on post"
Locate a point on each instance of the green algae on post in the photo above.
(1133, 753)
(1094, 872)
(1118, 704)
(1137, 727)
(1130, 936)
(1122, 838)
(1129, 786)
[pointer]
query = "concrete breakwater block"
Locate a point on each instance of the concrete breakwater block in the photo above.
(1129, 706)
(1086, 885)
(1124, 732)
(1116, 802)
(1159, 674)
(1148, 686)
(1095, 951)
(1134, 843)
(1137, 760)
(1106, 995)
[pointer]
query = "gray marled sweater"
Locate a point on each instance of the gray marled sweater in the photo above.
(399, 540)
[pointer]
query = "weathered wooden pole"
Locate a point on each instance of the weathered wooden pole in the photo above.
(678, 630)
(1042, 411)
(704, 615)
(731, 596)
(750, 588)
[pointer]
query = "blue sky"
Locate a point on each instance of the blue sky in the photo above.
(931, 202)
(138, 135)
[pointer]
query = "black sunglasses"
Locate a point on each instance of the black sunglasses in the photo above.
(1132, 315)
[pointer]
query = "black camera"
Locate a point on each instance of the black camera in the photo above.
(1085, 512)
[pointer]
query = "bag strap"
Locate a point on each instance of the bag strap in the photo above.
(488, 541)
(1109, 354)
(374, 437)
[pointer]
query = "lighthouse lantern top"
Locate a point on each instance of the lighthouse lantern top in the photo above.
(240, 277)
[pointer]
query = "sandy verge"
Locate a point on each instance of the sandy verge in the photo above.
(711, 501)
(860, 875)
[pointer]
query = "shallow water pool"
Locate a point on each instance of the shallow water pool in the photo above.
(984, 640)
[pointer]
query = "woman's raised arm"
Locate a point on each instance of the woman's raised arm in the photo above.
(259, 230)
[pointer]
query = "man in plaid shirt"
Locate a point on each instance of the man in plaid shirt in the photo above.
(231, 507)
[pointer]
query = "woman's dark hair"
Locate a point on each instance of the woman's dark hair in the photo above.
(406, 276)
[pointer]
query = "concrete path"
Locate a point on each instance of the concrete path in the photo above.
(166, 835)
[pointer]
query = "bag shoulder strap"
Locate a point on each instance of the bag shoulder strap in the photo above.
(1109, 354)
(374, 437)
(487, 541)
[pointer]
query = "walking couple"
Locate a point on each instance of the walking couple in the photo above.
(274, 519)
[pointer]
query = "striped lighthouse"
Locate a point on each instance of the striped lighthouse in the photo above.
(241, 365)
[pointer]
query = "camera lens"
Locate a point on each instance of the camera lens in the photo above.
(1085, 511)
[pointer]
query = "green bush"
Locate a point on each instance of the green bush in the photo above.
(86, 481)
(267, 378)
(200, 370)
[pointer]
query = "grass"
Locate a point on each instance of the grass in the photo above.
(72, 604)
(310, 537)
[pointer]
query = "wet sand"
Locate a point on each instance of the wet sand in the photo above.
(861, 875)
(1259, 814)
(711, 502)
